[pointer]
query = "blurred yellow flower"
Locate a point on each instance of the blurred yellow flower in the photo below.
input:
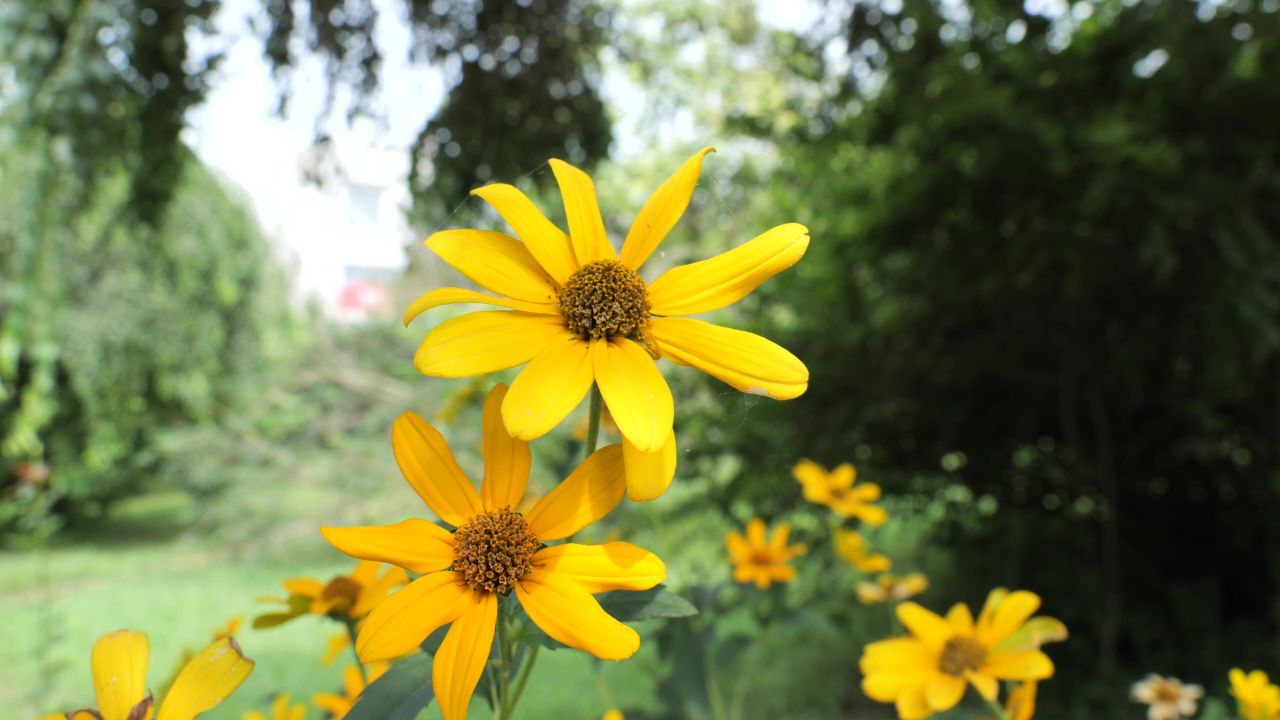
(344, 597)
(494, 551)
(337, 643)
(352, 685)
(579, 313)
(612, 715)
(927, 671)
(1168, 698)
(851, 546)
(892, 588)
(280, 710)
(837, 490)
(1258, 698)
(762, 560)
(119, 664)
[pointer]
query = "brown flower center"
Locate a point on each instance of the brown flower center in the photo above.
(960, 655)
(605, 298)
(493, 550)
(344, 590)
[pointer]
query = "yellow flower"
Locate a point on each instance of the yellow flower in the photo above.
(927, 671)
(1169, 698)
(344, 597)
(578, 312)
(890, 587)
(851, 546)
(1259, 699)
(493, 551)
(119, 665)
(280, 710)
(760, 560)
(352, 685)
(837, 491)
(612, 715)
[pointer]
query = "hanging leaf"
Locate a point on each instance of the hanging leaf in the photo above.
(658, 602)
(400, 694)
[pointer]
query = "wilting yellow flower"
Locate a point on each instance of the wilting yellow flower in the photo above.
(352, 685)
(927, 671)
(119, 664)
(1258, 698)
(1169, 698)
(762, 560)
(280, 710)
(612, 715)
(578, 312)
(345, 597)
(890, 587)
(851, 546)
(837, 490)
(493, 551)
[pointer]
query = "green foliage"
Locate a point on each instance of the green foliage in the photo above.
(400, 694)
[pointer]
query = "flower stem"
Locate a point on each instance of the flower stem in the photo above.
(997, 709)
(351, 633)
(593, 419)
(523, 677)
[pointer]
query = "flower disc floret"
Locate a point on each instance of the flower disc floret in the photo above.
(493, 550)
(343, 591)
(961, 655)
(603, 299)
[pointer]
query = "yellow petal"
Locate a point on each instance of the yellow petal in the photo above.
(306, 587)
(756, 534)
(119, 664)
(451, 296)
(428, 465)
(930, 629)
(744, 360)
(961, 619)
(586, 227)
(483, 342)
(550, 386)
(208, 679)
(588, 494)
(649, 474)
(727, 278)
(944, 692)
(568, 613)
(543, 239)
(496, 262)
(1036, 632)
(1022, 702)
(462, 656)
(636, 393)
(600, 568)
(810, 473)
(506, 459)
(1012, 611)
(1019, 665)
(414, 544)
(913, 704)
(986, 685)
(401, 622)
(662, 211)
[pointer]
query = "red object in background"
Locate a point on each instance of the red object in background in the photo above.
(360, 300)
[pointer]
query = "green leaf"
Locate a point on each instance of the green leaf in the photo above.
(400, 694)
(658, 602)
(271, 620)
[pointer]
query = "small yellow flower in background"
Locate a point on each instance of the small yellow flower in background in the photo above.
(337, 643)
(280, 710)
(851, 546)
(493, 552)
(612, 715)
(1169, 698)
(892, 588)
(837, 490)
(579, 313)
(352, 685)
(762, 560)
(119, 664)
(1258, 698)
(345, 597)
(927, 671)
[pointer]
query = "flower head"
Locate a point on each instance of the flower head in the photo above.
(280, 710)
(888, 588)
(837, 490)
(119, 664)
(353, 683)
(343, 597)
(852, 547)
(759, 559)
(578, 312)
(1168, 698)
(927, 671)
(495, 552)
(612, 715)
(1258, 698)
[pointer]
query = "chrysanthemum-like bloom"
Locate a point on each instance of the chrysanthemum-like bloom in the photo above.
(762, 560)
(280, 710)
(853, 548)
(927, 672)
(495, 551)
(579, 312)
(837, 491)
(1258, 698)
(1168, 698)
(888, 588)
(119, 663)
(344, 597)
(352, 685)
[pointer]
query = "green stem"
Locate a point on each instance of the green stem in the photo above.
(503, 710)
(593, 420)
(523, 677)
(997, 709)
(351, 633)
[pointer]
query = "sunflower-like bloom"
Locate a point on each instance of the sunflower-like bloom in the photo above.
(853, 549)
(762, 560)
(352, 685)
(280, 710)
(927, 672)
(578, 312)
(837, 491)
(119, 664)
(344, 597)
(495, 551)
(1167, 698)
(888, 588)
(1258, 698)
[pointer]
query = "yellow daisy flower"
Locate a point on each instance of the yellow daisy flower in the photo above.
(836, 490)
(352, 685)
(927, 671)
(344, 597)
(280, 710)
(493, 551)
(612, 715)
(1167, 698)
(1258, 698)
(852, 547)
(119, 665)
(579, 313)
(891, 587)
(762, 560)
